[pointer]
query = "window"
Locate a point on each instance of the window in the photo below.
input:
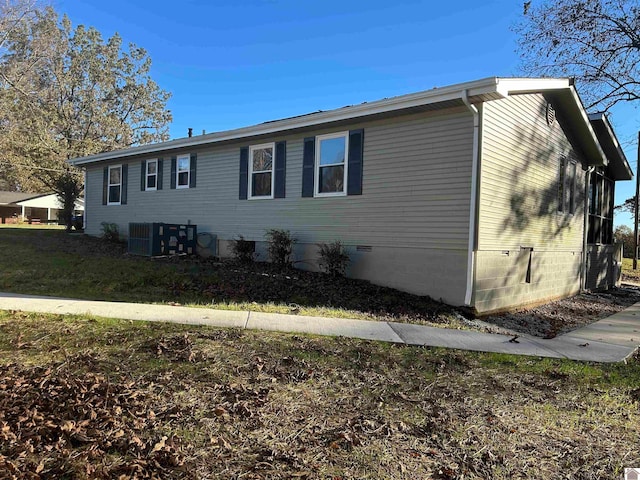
(331, 164)
(151, 175)
(182, 171)
(601, 192)
(561, 181)
(573, 168)
(115, 185)
(567, 186)
(261, 177)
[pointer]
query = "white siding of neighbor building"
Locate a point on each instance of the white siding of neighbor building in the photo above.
(413, 212)
(518, 207)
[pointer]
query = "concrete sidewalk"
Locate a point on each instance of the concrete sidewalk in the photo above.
(612, 339)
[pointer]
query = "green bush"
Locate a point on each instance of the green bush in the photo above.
(333, 258)
(280, 246)
(110, 232)
(243, 250)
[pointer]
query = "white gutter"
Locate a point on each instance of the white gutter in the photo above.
(473, 201)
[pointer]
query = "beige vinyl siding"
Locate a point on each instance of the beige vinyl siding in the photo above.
(519, 178)
(414, 210)
(518, 207)
(416, 187)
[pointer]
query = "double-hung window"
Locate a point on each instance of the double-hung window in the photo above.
(151, 173)
(261, 177)
(114, 187)
(183, 171)
(331, 164)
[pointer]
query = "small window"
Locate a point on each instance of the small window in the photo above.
(261, 177)
(182, 171)
(561, 181)
(567, 186)
(573, 169)
(115, 185)
(331, 164)
(152, 175)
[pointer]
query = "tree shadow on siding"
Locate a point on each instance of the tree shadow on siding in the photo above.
(533, 213)
(533, 220)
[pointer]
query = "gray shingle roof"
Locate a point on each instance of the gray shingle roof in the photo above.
(7, 198)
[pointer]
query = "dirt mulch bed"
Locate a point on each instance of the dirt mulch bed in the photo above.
(561, 316)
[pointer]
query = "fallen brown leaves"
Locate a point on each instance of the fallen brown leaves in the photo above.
(54, 424)
(171, 402)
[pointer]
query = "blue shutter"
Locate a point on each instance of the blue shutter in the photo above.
(192, 167)
(280, 170)
(354, 173)
(244, 172)
(173, 172)
(123, 192)
(159, 179)
(143, 175)
(308, 166)
(105, 185)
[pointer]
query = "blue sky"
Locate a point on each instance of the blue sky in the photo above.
(235, 63)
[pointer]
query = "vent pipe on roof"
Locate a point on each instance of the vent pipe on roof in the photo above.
(190, 132)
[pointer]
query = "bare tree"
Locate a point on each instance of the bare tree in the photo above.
(596, 41)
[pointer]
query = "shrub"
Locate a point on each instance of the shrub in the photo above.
(243, 250)
(333, 258)
(280, 246)
(110, 232)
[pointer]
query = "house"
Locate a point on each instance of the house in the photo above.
(43, 207)
(493, 194)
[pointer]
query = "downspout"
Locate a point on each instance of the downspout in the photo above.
(473, 201)
(583, 267)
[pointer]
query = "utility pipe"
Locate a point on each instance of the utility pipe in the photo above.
(473, 201)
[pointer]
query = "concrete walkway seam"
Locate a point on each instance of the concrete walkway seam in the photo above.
(612, 339)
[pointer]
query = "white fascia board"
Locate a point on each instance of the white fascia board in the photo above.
(585, 119)
(514, 86)
(435, 95)
(614, 139)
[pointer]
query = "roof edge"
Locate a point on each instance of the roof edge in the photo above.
(619, 158)
(490, 87)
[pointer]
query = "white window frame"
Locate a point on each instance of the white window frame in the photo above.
(178, 171)
(147, 188)
(251, 172)
(109, 185)
(316, 177)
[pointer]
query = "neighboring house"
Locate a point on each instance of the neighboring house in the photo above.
(43, 207)
(475, 193)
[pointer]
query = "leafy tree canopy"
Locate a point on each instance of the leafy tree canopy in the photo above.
(65, 92)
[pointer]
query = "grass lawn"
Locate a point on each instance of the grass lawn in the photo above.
(51, 262)
(628, 273)
(97, 399)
